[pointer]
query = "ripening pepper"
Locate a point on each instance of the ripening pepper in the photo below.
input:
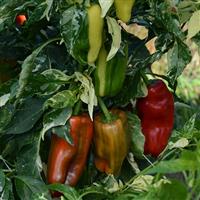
(123, 9)
(156, 112)
(95, 31)
(110, 142)
(109, 76)
(67, 161)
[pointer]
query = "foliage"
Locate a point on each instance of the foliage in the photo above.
(53, 76)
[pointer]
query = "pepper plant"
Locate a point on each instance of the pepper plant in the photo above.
(77, 100)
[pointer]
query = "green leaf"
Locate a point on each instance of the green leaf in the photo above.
(87, 93)
(7, 192)
(20, 143)
(165, 18)
(115, 30)
(68, 192)
(55, 118)
(172, 190)
(4, 99)
(185, 10)
(2, 180)
(97, 192)
(6, 114)
(178, 57)
(48, 4)
(28, 66)
(30, 188)
(63, 132)
(194, 24)
(48, 82)
(27, 165)
(74, 30)
(164, 189)
(26, 116)
(137, 137)
(187, 161)
(55, 75)
(63, 99)
(183, 112)
(6, 86)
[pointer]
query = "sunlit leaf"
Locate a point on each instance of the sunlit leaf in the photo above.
(115, 31)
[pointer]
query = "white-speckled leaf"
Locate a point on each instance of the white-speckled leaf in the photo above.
(115, 30)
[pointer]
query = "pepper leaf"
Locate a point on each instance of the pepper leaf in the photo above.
(6, 113)
(87, 93)
(67, 191)
(187, 161)
(179, 56)
(48, 4)
(105, 6)
(137, 137)
(28, 66)
(48, 82)
(26, 116)
(26, 165)
(194, 24)
(4, 99)
(30, 188)
(7, 192)
(74, 31)
(115, 30)
(63, 132)
(56, 117)
(63, 99)
(2, 180)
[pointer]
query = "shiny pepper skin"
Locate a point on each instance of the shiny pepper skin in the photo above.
(67, 161)
(156, 112)
(110, 142)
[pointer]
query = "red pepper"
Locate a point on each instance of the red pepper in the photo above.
(67, 161)
(21, 19)
(156, 112)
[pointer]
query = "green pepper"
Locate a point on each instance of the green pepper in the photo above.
(109, 76)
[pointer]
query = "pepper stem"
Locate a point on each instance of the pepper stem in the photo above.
(77, 108)
(104, 110)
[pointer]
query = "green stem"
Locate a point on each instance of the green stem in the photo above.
(104, 110)
(77, 108)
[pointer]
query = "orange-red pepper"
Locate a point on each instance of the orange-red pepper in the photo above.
(67, 161)
(110, 142)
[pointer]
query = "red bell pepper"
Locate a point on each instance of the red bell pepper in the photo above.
(66, 161)
(156, 112)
